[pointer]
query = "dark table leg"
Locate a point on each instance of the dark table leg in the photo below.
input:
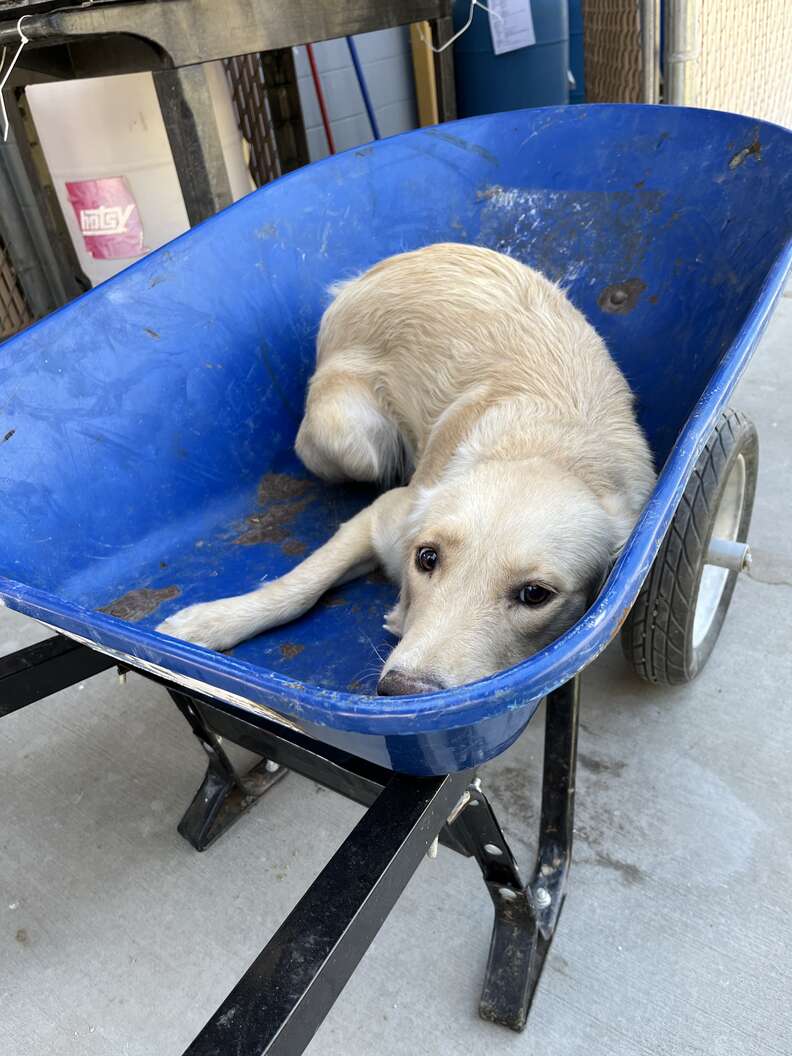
(280, 85)
(194, 138)
(442, 31)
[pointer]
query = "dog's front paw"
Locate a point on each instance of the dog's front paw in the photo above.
(211, 624)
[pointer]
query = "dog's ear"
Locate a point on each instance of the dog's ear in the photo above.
(596, 583)
(621, 529)
(394, 620)
(599, 580)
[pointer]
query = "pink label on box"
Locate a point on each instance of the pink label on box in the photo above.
(108, 216)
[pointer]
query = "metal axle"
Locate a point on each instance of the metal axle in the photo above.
(727, 553)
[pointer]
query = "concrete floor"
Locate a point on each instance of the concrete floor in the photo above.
(117, 939)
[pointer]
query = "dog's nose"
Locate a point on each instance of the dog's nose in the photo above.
(399, 684)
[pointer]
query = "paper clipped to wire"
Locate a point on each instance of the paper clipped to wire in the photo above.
(511, 25)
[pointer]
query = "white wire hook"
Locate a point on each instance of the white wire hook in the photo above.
(473, 5)
(23, 40)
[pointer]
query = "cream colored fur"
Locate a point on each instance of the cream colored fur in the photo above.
(475, 377)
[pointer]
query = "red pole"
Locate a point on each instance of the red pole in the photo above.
(321, 99)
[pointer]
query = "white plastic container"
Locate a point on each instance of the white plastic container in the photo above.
(110, 127)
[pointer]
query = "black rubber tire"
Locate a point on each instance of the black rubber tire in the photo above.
(657, 636)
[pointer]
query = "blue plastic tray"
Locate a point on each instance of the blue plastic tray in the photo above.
(148, 426)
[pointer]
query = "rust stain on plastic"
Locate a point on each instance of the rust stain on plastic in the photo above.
(621, 297)
(137, 604)
(278, 486)
(755, 148)
(293, 547)
(283, 497)
(333, 601)
(291, 649)
(271, 525)
(377, 577)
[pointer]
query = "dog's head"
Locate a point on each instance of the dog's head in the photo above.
(497, 563)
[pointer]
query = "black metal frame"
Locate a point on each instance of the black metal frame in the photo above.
(173, 39)
(42, 256)
(282, 999)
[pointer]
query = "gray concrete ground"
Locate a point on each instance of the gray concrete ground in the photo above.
(117, 939)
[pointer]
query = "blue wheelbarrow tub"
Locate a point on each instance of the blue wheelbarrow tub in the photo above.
(148, 426)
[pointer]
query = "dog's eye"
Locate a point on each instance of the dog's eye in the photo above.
(426, 558)
(533, 594)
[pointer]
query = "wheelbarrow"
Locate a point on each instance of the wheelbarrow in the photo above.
(147, 464)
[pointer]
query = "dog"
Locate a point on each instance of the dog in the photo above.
(474, 378)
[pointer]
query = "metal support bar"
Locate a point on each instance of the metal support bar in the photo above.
(288, 990)
(351, 777)
(682, 51)
(42, 669)
(354, 778)
(188, 113)
(650, 51)
(516, 955)
(526, 915)
(225, 793)
(556, 823)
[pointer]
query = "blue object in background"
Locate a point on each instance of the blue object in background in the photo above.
(535, 76)
(361, 79)
(577, 94)
(147, 428)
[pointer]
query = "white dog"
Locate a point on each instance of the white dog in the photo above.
(474, 377)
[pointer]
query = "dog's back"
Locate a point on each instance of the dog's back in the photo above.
(426, 326)
(426, 332)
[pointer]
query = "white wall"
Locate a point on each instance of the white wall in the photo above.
(387, 66)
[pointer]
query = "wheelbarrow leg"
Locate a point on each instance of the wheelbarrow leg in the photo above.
(225, 793)
(526, 915)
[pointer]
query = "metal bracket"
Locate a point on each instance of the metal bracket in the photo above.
(225, 794)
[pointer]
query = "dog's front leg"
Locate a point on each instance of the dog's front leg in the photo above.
(355, 549)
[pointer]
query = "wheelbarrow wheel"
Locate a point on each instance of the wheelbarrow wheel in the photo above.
(677, 617)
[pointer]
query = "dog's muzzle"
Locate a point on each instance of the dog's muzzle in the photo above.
(399, 684)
